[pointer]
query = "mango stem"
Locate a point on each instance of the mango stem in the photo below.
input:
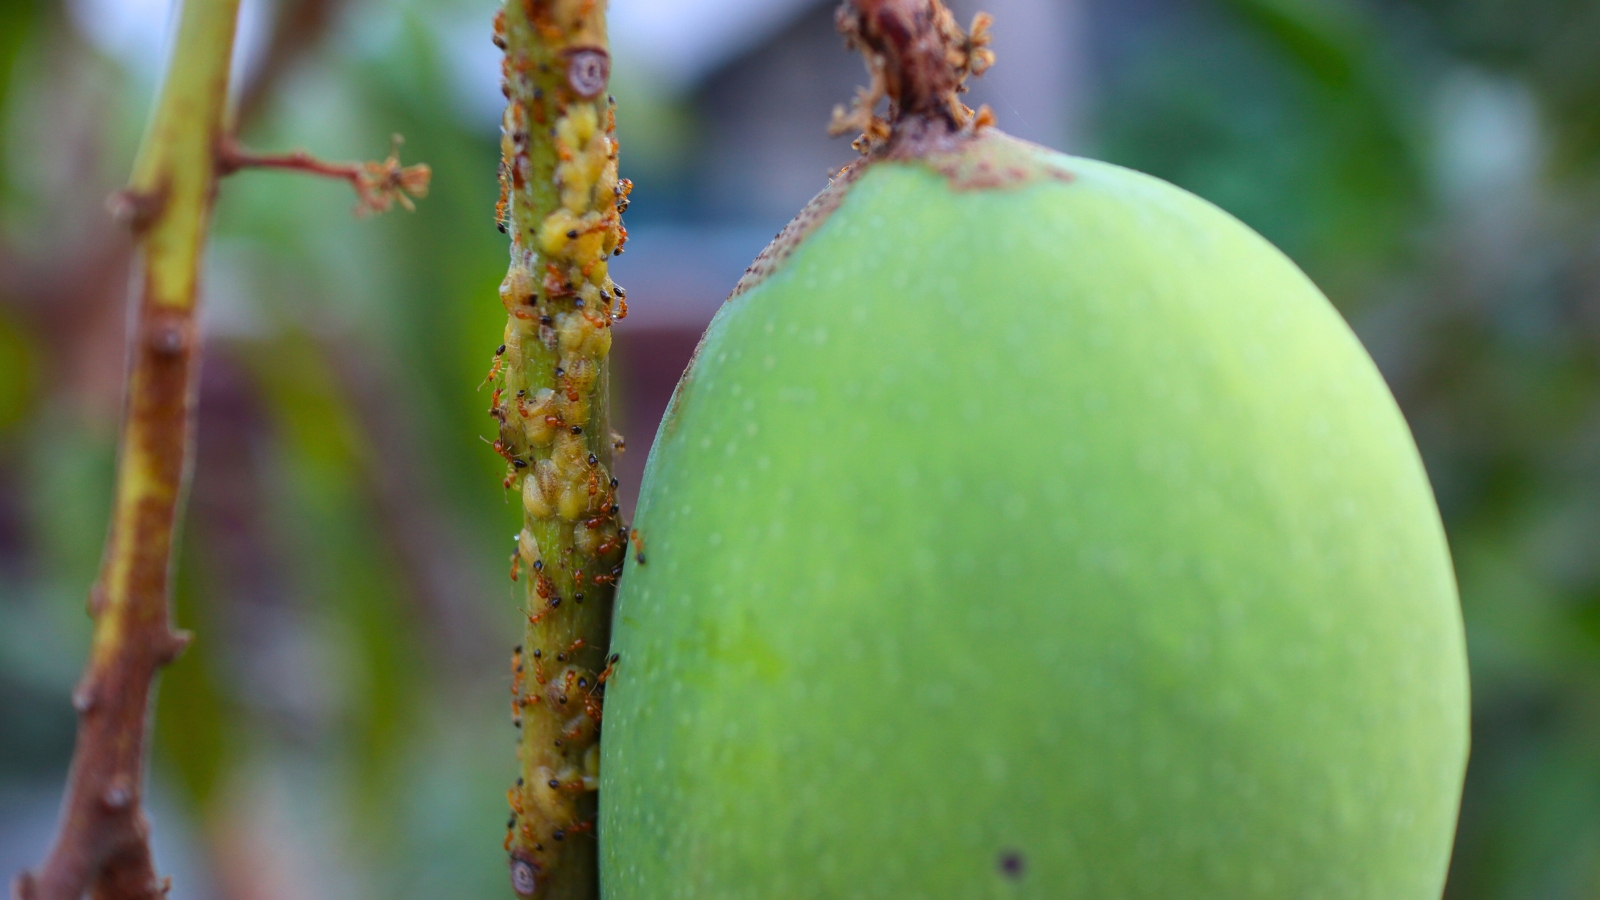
(919, 59)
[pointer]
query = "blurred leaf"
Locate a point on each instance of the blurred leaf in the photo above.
(17, 19)
(194, 725)
(1552, 42)
(16, 372)
(357, 597)
(1324, 38)
(1375, 149)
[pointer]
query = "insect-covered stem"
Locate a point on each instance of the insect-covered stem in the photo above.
(561, 203)
(102, 844)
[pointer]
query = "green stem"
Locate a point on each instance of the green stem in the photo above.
(102, 844)
(561, 204)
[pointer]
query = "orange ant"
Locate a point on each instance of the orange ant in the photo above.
(572, 649)
(611, 544)
(538, 667)
(598, 321)
(594, 699)
(566, 683)
(499, 447)
(494, 369)
(516, 814)
(555, 283)
(503, 448)
(579, 725)
(608, 503)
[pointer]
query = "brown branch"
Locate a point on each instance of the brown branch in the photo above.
(298, 27)
(103, 840)
(378, 184)
(102, 844)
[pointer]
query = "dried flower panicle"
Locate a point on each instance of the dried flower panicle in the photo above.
(918, 70)
(379, 185)
(383, 183)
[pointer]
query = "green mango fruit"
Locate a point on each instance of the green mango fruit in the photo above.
(1049, 539)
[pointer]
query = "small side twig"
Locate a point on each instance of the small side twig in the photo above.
(379, 184)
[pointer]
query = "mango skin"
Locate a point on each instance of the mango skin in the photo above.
(1057, 541)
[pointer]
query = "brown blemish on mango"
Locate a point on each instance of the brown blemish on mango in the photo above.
(989, 160)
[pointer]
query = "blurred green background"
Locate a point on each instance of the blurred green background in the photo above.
(339, 728)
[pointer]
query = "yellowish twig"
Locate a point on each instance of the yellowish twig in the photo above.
(102, 846)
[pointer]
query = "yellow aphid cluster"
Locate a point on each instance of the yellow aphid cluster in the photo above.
(561, 203)
(588, 170)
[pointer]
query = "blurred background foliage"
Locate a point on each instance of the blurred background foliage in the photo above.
(339, 727)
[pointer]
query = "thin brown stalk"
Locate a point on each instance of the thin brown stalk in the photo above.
(299, 26)
(102, 845)
(378, 185)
